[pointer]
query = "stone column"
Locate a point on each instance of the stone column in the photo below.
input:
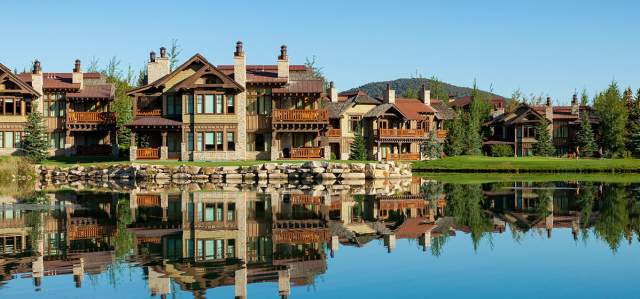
(133, 149)
(113, 139)
(240, 76)
(164, 204)
(284, 283)
(241, 244)
(164, 150)
(275, 147)
(68, 146)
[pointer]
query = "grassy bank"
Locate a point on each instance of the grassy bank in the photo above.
(483, 178)
(526, 164)
(12, 167)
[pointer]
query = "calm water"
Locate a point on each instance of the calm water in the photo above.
(417, 238)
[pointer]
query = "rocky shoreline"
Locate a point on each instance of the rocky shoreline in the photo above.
(307, 172)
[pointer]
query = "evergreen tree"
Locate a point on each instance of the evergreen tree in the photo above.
(358, 148)
(544, 146)
(479, 111)
(613, 118)
(586, 140)
(35, 143)
(632, 127)
(456, 136)
(431, 148)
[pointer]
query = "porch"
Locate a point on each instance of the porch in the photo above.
(405, 151)
(298, 146)
(91, 143)
(155, 138)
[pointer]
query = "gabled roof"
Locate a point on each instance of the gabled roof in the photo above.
(263, 73)
(6, 74)
(208, 68)
(519, 115)
(443, 110)
(301, 86)
(413, 108)
(383, 109)
(336, 109)
(60, 80)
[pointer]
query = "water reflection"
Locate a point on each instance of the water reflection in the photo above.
(196, 238)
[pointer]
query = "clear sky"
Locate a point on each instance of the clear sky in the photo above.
(542, 47)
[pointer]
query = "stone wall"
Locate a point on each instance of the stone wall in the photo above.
(305, 173)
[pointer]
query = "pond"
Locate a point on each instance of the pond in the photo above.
(424, 237)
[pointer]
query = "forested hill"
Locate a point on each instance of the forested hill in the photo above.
(410, 86)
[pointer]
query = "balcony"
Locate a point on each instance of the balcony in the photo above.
(152, 112)
(149, 153)
(401, 133)
(404, 156)
(304, 153)
(442, 134)
(300, 115)
(91, 117)
(334, 133)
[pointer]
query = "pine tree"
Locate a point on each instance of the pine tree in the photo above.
(613, 118)
(479, 111)
(586, 140)
(632, 127)
(358, 148)
(456, 136)
(35, 143)
(544, 146)
(431, 148)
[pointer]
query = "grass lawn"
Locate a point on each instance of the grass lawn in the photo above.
(483, 178)
(526, 164)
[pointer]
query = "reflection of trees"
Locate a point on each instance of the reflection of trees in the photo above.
(586, 199)
(614, 217)
(35, 217)
(464, 203)
(123, 240)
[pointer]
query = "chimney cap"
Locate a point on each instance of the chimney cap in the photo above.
(331, 85)
(575, 98)
(239, 49)
(36, 67)
(163, 52)
(283, 53)
(76, 68)
(152, 56)
(548, 101)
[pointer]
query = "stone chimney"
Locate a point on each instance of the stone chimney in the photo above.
(425, 95)
(240, 76)
(284, 283)
(283, 63)
(333, 92)
(157, 67)
(37, 82)
(76, 76)
(548, 110)
(575, 106)
(390, 95)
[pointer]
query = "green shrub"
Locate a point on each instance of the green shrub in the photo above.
(501, 150)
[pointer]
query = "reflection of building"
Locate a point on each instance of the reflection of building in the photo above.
(74, 239)
(213, 239)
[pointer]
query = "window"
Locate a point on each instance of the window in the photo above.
(56, 140)
(231, 104)
(190, 104)
(529, 132)
(199, 104)
(561, 130)
(208, 103)
(174, 105)
(54, 105)
(219, 104)
(354, 123)
(9, 139)
(209, 144)
(231, 141)
(263, 102)
(190, 141)
(210, 141)
(231, 208)
(259, 145)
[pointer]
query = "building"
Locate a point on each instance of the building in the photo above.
(200, 111)
(399, 125)
(517, 128)
(75, 106)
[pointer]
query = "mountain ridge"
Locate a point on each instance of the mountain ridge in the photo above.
(411, 86)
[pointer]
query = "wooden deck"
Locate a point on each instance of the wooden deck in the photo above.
(148, 153)
(91, 117)
(302, 153)
(154, 112)
(441, 134)
(404, 156)
(412, 133)
(334, 133)
(300, 115)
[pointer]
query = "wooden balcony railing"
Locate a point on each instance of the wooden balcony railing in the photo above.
(401, 133)
(86, 231)
(148, 153)
(300, 115)
(404, 156)
(93, 150)
(334, 133)
(153, 112)
(442, 134)
(303, 199)
(306, 153)
(148, 200)
(91, 117)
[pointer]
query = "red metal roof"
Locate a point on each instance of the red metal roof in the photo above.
(301, 86)
(59, 80)
(413, 108)
(262, 73)
(153, 121)
(102, 91)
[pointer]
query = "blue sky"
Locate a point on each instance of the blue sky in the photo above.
(542, 47)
